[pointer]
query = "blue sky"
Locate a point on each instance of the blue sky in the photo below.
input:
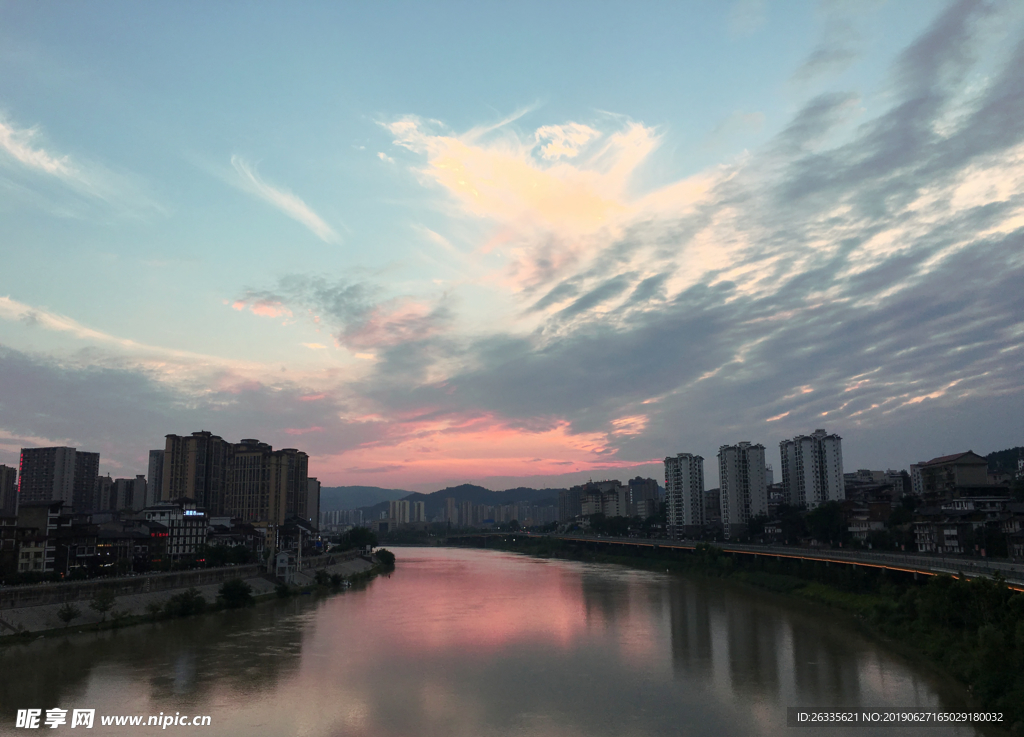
(435, 243)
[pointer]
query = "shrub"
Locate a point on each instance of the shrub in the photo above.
(68, 612)
(186, 603)
(103, 602)
(235, 594)
(385, 556)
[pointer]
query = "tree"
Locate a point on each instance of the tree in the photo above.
(103, 602)
(154, 608)
(187, 602)
(386, 557)
(336, 580)
(240, 555)
(791, 521)
(235, 594)
(358, 537)
(321, 577)
(68, 612)
(826, 523)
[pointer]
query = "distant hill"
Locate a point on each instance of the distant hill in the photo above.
(434, 502)
(1004, 460)
(334, 498)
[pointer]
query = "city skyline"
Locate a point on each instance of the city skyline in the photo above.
(669, 229)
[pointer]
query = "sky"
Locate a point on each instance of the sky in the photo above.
(529, 244)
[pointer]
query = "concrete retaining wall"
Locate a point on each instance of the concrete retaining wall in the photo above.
(14, 597)
(56, 593)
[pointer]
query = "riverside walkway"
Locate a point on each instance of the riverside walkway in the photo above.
(916, 563)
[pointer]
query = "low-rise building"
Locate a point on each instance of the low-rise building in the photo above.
(186, 526)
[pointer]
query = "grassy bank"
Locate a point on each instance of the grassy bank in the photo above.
(971, 630)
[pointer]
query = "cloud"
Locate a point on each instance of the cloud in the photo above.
(503, 179)
(835, 52)
(288, 203)
(21, 150)
(859, 271)
(840, 274)
(19, 144)
(263, 306)
(385, 158)
(564, 140)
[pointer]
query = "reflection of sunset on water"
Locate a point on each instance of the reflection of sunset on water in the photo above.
(467, 642)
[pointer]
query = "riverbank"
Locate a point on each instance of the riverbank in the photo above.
(20, 623)
(972, 631)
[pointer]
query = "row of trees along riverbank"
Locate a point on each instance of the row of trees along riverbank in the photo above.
(973, 630)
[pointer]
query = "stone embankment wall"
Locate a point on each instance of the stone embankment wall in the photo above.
(15, 597)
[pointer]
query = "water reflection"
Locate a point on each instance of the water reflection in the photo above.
(823, 667)
(460, 642)
(690, 619)
(181, 661)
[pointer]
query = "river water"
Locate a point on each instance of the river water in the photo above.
(474, 642)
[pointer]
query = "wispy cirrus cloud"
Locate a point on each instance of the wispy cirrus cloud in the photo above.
(290, 204)
(21, 145)
(22, 150)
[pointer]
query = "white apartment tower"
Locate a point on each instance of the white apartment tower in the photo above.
(812, 469)
(684, 495)
(744, 493)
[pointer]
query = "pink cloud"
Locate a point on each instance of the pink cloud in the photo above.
(399, 321)
(263, 307)
(474, 446)
(302, 430)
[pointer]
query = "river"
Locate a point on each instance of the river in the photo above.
(476, 643)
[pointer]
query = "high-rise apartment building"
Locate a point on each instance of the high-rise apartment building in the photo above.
(87, 470)
(916, 482)
(104, 498)
(684, 495)
(263, 484)
(58, 474)
(196, 467)
(812, 469)
(419, 512)
(313, 501)
(744, 493)
(8, 491)
(643, 497)
(129, 494)
(399, 511)
(155, 477)
(570, 504)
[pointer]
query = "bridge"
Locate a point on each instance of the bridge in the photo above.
(919, 564)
